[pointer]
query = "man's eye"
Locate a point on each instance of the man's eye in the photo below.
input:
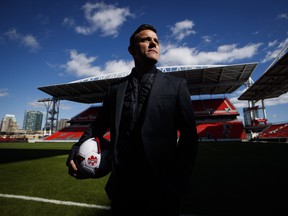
(145, 39)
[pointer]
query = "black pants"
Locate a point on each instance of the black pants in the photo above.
(136, 191)
(144, 200)
(140, 208)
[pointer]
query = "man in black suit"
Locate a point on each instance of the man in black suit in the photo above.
(153, 134)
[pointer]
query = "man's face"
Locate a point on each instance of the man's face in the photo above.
(146, 47)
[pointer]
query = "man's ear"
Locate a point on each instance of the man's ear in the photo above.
(131, 50)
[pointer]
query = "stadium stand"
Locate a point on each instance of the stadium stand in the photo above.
(214, 107)
(87, 115)
(275, 132)
(7, 139)
(69, 133)
(230, 130)
(216, 119)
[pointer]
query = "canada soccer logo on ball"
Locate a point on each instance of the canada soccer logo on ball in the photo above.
(93, 161)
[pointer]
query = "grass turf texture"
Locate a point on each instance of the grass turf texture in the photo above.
(39, 170)
(230, 178)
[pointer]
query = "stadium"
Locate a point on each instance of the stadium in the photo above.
(216, 117)
(240, 169)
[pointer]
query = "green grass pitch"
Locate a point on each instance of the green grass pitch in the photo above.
(39, 170)
(230, 178)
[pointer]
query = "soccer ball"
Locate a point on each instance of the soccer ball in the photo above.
(93, 160)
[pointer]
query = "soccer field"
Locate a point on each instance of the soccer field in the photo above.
(230, 178)
(34, 181)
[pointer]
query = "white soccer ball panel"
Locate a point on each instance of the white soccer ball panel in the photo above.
(89, 146)
(91, 161)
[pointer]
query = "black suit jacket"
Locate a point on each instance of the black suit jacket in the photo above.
(168, 111)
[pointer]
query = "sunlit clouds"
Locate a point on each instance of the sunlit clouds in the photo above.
(182, 29)
(105, 18)
(81, 65)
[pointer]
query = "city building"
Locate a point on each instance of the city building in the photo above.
(62, 123)
(32, 120)
(9, 124)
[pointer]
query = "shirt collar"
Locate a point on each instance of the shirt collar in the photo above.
(138, 75)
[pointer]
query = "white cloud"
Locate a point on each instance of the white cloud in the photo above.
(80, 65)
(68, 21)
(172, 55)
(238, 103)
(283, 99)
(35, 104)
(279, 46)
(283, 16)
(101, 17)
(4, 92)
(65, 106)
(182, 29)
(28, 40)
(118, 66)
(41, 106)
(207, 39)
(272, 43)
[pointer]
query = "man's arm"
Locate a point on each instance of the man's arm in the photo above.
(186, 124)
(96, 129)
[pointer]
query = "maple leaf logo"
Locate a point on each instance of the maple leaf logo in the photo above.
(92, 160)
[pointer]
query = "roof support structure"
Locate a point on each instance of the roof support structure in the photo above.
(52, 114)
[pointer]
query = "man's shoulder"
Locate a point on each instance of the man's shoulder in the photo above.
(170, 76)
(118, 81)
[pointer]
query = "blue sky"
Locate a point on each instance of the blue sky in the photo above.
(58, 41)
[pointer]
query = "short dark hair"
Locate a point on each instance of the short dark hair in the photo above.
(139, 29)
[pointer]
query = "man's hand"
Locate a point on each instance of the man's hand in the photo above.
(70, 163)
(73, 170)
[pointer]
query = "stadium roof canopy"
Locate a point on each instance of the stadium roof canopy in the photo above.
(201, 80)
(272, 83)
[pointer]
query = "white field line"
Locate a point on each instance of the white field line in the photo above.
(58, 202)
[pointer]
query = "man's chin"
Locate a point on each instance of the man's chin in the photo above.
(152, 60)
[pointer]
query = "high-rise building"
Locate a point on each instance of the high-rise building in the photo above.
(9, 124)
(32, 120)
(62, 123)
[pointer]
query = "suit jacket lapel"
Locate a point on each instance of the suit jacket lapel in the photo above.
(155, 88)
(119, 103)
